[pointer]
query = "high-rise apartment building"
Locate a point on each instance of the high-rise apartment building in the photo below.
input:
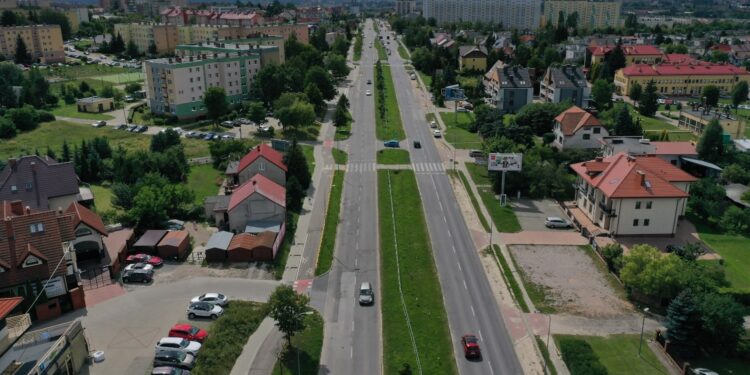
(591, 14)
(512, 14)
(404, 7)
(43, 42)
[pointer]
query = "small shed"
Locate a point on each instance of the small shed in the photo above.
(117, 243)
(174, 245)
(217, 246)
(246, 247)
(95, 104)
(148, 241)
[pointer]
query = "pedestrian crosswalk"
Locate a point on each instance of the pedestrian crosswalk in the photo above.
(428, 168)
(360, 167)
(419, 168)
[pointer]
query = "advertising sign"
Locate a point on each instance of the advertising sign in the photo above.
(505, 162)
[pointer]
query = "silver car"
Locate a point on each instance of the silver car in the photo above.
(556, 222)
(366, 295)
(215, 298)
(178, 344)
(204, 310)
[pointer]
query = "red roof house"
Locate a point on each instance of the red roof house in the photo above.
(258, 200)
(576, 128)
(262, 159)
(174, 245)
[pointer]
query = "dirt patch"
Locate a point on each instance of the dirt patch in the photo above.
(571, 281)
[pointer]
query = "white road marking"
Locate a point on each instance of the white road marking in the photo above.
(475, 315)
(459, 267)
(466, 287)
(454, 249)
(480, 331)
(490, 365)
(351, 352)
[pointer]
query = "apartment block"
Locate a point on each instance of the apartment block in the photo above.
(76, 16)
(565, 82)
(512, 14)
(270, 48)
(508, 88)
(44, 42)
(175, 86)
(591, 14)
(404, 7)
(164, 37)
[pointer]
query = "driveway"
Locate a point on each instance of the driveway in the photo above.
(126, 328)
(532, 213)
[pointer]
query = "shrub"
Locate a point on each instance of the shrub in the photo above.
(612, 255)
(580, 357)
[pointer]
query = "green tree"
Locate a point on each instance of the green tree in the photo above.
(340, 46)
(711, 145)
(288, 309)
(7, 128)
(337, 65)
(152, 50)
(707, 199)
(164, 140)
(25, 118)
(722, 321)
(735, 220)
(53, 17)
(683, 319)
(132, 49)
(133, 87)
(316, 99)
(22, 55)
(711, 93)
(294, 194)
(601, 92)
(646, 271)
(108, 91)
(215, 101)
(612, 255)
(635, 91)
(66, 156)
(322, 80)
(341, 116)
(739, 93)
(624, 125)
(735, 173)
(539, 117)
(9, 18)
(296, 164)
(648, 102)
(299, 114)
(256, 112)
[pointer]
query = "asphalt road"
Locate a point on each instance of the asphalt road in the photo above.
(352, 343)
(469, 301)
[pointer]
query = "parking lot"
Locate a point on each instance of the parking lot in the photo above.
(126, 328)
(532, 213)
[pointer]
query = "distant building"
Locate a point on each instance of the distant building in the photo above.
(95, 104)
(637, 54)
(76, 16)
(696, 120)
(591, 14)
(270, 48)
(40, 182)
(404, 7)
(565, 82)
(576, 128)
(43, 42)
(680, 78)
(512, 14)
(672, 152)
(472, 58)
(508, 88)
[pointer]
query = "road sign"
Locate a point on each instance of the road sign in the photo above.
(453, 92)
(505, 162)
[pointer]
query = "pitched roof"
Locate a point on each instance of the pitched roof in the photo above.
(247, 241)
(150, 238)
(174, 238)
(575, 118)
(514, 77)
(30, 250)
(258, 184)
(681, 69)
(634, 50)
(623, 176)
(219, 240)
(86, 216)
(566, 76)
(674, 148)
(34, 179)
(265, 151)
(465, 50)
(8, 304)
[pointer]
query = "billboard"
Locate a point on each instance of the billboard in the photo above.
(505, 162)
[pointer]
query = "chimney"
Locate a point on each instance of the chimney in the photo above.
(254, 182)
(59, 210)
(16, 207)
(28, 210)
(643, 177)
(33, 165)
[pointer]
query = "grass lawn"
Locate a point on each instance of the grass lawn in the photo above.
(390, 127)
(71, 110)
(102, 198)
(86, 70)
(328, 243)
(457, 133)
(510, 281)
(617, 353)
(309, 153)
(734, 250)
(479, 174)
(227, 336)
(545, 355)
(122, 78)
(426, 79)
(474, 201)
(204, 180)
(343, 132)
(309, 342)
(339, 156)
(382, 54)
(281, 257)
(402, 52)
(391, 156)
(422, 296)
(503, 217)
(653, 126)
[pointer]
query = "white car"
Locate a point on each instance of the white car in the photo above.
(99, 124)
(704, 371)
(204, 310)
(368, 93)
(437, 133)
(179, 344)
(433, 124)
(215, 298)
(139, 266)
(556, 222)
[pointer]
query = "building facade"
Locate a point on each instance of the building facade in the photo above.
(270, 48)
(512, 14)
(576, 128)
(260, 160)
(681, 79)
(591, 14)
(43, 42)
(637, 54)
(40, 182)
(404, 7)
(508, 88)
(472, 58)
(566, 82)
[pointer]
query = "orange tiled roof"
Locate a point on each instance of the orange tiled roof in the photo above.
(575, 118)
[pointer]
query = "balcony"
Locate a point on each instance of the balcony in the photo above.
(607, 210)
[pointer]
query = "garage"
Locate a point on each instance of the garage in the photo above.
(217, 246)
(246, 247)
(148, 241)
(174, 245)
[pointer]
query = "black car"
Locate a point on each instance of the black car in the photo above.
(417, 144)
(138, 275)
(142, 129)
(122, 126)
(132, 128)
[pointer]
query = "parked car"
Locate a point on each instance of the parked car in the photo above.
(228, 124)
(437, 133)
(703, 371)
(462, 109)
(476, 154)
(188, 332)
(208, 136)
(204, 310)
(417, 144)
(214, 298)
(129, 99)
(145, 258)
(392, 143)
(169, 370)
(122, 127)
(137, 276)
(413, 76)
(132, 128)
(142, 129)
(178, 344)
(369, 82)
(99, 124)
(139, 266)
(366, 295)
(556, 222)
(174, 358)
(470, 343)
(368, 93)
(433, 124)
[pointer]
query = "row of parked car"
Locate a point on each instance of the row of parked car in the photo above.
(208, 136)
(140, 268)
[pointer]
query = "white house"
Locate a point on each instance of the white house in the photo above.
(260, 160)
(576, 128)
(632, 195)
(258, 200)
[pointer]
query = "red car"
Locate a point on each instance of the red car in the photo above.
(470, 343)
(145, 258)
(188, 332)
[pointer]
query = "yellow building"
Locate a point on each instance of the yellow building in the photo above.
(696, 122)
(680, 79)
(164, 37)
(472, 58)
(95, 104)
(44, 42)
(591, 14)
(636, 54)
(76, 16)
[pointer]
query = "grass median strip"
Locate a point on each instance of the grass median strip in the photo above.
(382, 55)
(545, 354)
(389, 127)
(309, 342)
(389, 156)
(503, 216)
(327, 245)
(339, 156)
(405, 246)
(509, 279)
(358, 46)
(474, 202)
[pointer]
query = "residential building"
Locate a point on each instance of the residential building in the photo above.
(591, 14)
(163, 37)
(88, 229)
(575, 53)
(576, 128)
(40, 182)
(95, 104)
(632, 195)
(634, 54)
(8, 4)
(175, 86)
(472, 58)
(740, 53)
(262, 159)
(508, 88)
(404, 7)
(259, 200)
(76, 16)
(56, 349)
(566, 82)
(43, 42)
(696, 120)
(680, 78)
(512, 14)
(270, 48)
(671, 152)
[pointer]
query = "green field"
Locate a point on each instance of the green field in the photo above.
(419, 281)
(426, 79)
(343, 132)
(503, 217)
(457, 133)
(309, 153)
(83, 71)
(123, 78)
(328, 243)
(391, 127)
(339, 156)
(734, 250)
(617, 353)
(71, 110)
(102, 198)
(382, 54)
(204, 180)
(479, 174)
(473, 198)
(402, 52)
(309, 342)
(391, 156)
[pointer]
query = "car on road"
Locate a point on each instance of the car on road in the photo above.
(703, 371)
(413, 76)
(368, 93)
(366, 295)
(556, 222)
(132, 128)
(145, 258)
(178, 344)
(188, 332)
(433, 124)
(228, 124)
(215, 298)
(369, 82)
(470, 344)
(417, 144)
(99, 124)
(141, 129)
(139, 266)
(169, 370)
(174, 358)
(137, 276)
(204, 310)
(392, 143)
(437, 133)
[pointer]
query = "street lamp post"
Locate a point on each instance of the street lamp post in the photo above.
(643, 325)
(549, 330)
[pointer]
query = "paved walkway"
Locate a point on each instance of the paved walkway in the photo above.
(543, 238)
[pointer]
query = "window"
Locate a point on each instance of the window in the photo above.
(587, 136)
(646, 222)
(262, 166)
(638, 205)
(36, 228)
(29, 185)
(597, 130)
(13, 189)
(648, 205)
(31, 261)
(635, 222)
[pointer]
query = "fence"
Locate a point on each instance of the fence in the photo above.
(95, 277)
